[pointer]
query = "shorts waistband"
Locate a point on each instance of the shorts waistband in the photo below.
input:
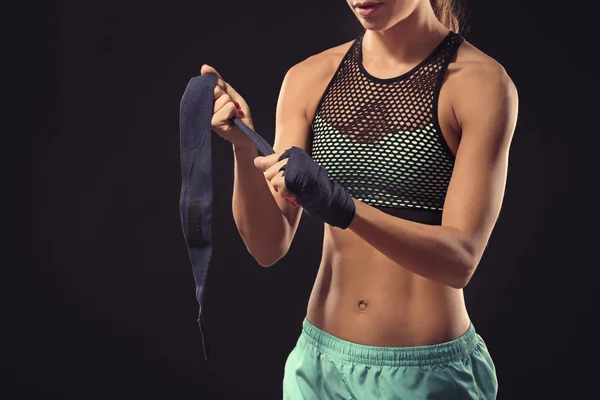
(344, 350)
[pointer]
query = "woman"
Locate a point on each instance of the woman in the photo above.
(408, 120)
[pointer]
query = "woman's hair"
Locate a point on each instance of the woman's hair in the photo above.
(447, 14)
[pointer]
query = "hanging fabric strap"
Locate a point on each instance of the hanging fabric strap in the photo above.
(196, 200)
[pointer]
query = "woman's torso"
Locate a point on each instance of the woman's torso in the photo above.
(359, 294)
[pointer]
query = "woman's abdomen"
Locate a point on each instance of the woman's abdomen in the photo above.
(362, 296)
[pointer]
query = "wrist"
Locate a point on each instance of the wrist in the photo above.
(244, 144)
(245, 149)
(318, 195)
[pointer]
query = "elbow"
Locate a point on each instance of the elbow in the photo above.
(460, 282)
(466, 266)
(462, 278)
(264, 250)
(267, 260)
(264, 262)
(271, 254)
(260, 260)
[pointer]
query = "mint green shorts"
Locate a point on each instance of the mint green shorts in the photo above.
(323, 366)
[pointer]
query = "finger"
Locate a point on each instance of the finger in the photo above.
(275, 169)
(222, 101)
(278, 182)
(205, 69)
(220, 81)
(258, 162)
(218, 93)
(284, 192)
(290, 195)
(292, 202)
(227, 88)
(227, 112)
(266, 162)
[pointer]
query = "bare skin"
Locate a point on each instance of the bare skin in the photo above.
(360, 294)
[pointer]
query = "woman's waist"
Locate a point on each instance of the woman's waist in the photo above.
(384, 304)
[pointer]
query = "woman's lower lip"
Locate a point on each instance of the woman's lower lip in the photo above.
(365, 12)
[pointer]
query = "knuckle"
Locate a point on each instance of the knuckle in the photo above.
(216, 119)
(218, 104)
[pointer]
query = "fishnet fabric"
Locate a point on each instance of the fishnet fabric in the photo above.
(380, 138)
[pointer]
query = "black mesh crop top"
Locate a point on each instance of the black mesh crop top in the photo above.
(380, 138)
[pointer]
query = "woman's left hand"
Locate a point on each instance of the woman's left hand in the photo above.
(270, 167)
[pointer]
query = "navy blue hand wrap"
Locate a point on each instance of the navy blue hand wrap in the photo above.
(195, 203)
(320, 196)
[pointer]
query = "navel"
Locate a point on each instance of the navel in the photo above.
(362, 306)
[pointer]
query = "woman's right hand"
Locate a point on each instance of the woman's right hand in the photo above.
(224, 109)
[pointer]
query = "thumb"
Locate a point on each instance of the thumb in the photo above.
(258, 162)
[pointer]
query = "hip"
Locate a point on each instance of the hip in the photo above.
(324, 366)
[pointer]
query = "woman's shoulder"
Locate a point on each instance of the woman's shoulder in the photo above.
(473, 66)
(311, 75)
(475, 79)
(322, 65)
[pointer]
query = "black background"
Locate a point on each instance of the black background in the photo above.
(103, 305)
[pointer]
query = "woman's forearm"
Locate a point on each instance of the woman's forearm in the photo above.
(260, 222)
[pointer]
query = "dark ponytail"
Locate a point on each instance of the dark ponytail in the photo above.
(445, 12)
